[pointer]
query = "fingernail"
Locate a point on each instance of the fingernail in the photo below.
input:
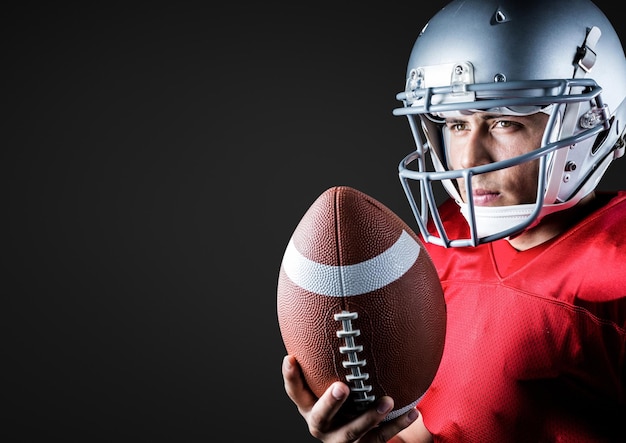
(384, 407)
(338, 393)
(413, 414)
(286, 363)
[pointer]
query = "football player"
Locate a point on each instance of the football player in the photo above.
(517, 110)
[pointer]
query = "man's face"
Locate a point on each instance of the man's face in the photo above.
(482, 138)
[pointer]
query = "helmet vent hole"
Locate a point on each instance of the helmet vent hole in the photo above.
(499, 17)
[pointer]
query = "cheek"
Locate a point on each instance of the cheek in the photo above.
(522, 181)
(454, 161)
(454, 157)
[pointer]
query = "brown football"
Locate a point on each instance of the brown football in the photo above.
(359, 300)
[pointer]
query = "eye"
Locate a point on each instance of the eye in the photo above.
(505, 124)
(456, 126)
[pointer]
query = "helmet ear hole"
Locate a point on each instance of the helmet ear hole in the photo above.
(599, 141)
(601, 138)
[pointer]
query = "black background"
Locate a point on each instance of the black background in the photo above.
(158, 158)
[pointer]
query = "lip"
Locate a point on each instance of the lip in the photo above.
(483, 197)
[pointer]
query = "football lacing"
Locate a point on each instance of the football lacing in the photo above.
(357, 377)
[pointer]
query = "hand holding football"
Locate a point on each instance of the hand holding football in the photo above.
(359, 300)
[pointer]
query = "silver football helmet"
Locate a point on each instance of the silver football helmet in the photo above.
(561, 57)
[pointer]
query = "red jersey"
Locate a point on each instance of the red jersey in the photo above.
(535, 352)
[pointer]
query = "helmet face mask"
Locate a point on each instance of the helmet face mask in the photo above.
(586, 117)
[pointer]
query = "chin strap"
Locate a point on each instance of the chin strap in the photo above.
(492, 220)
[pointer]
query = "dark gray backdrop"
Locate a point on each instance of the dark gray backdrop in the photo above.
(158, 158)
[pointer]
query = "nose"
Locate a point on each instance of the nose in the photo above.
(474, 150)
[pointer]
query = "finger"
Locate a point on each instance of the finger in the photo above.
(295, 386)
(323, 415)
(388, 430)
(370, 427)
